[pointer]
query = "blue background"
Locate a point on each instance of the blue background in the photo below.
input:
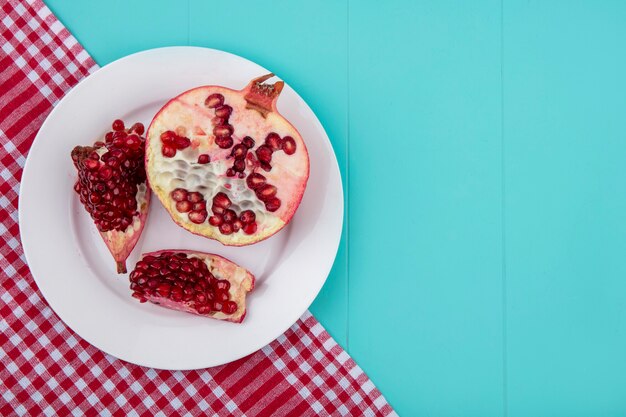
(483, 150)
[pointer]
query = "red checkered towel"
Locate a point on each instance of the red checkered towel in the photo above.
(46, 369)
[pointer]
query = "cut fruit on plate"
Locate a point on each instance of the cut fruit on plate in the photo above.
(112, 187)
(194, 282)
(225, 164)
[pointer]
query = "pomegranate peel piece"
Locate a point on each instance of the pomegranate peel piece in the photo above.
(194, 282)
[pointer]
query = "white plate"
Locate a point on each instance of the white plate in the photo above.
(73, 268)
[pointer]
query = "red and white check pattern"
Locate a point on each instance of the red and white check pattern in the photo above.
(46, 369)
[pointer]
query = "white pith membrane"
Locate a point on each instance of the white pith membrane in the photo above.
(188, 116)
(241, 282)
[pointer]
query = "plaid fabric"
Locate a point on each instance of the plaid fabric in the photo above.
(46, 369)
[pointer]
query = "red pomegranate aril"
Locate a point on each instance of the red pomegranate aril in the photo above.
(217, 209)
(168, 151)
(250, 228)
(217, 121)
(237, 225)
(183, 206)
(221, 200)
(273, 141)
(214, 100)
(223, 111)
(266, 192)
(204, 159)
(264, 153)
(239, 165)
(182, 142)
(221, 296)
(226, 228)
(255, 180)
(179, 194)
(91, 164)
(216, 220)
(117, 125)
(247, 216)
(105, 172)
(225, 142)
(168, 137)
(199, 206)
(222, 285)
(229, 216)
(223, 131)
(195, 197)
(164, 290)
(272, 204)
(137, 128)
(229, 307)
(198, 217)
(230, 172)
(289, 145)
(239, 151)
(265, 166)
(248, 142)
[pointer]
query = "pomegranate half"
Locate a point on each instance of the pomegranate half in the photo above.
(112, 187)
(195, 282)
(225, 164)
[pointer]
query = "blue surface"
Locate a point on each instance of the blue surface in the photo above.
(483, 149)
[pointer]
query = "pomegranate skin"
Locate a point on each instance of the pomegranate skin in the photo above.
(240, 282)
(229, 126)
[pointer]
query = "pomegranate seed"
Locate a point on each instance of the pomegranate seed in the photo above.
(186, 267)
(91, 164)
(217, 209)
(221, 296)
(273, 141)
(248, 142)
(137, 128)
(217, 306)
(198, 217)
(239, 165)
(266, 167)
(229, 307)
(272, 205)
(230, 172)
(221, 200)
(204, 159)
(223, 131)
(183, 206)
(224, 143)
(222, 285)
(179, 194)
(117, 125)
(247, 216)
(176, 294)
(108, 138)
(226, 228)
(239, 151)
(201, 298)
(195, 197)
(182, 142)
(223, 111)
(237, 225)
(255, 180)
(264, 153)
(201, 206)
(216, 220)
(250, 228)
(77, 187)
(289, 145)
(217, 121)
(214, 100)
(266, 192)
(164, 289)
(204, 309)
(105, 172)
(168, 137)
(229, 216)
(168, 151)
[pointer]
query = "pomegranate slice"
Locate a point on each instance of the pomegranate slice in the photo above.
(245, 163)
(195, 282)
(112, 187)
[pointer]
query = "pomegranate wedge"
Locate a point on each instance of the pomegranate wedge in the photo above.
(225, 164)
(195, 282)
(112, 187)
